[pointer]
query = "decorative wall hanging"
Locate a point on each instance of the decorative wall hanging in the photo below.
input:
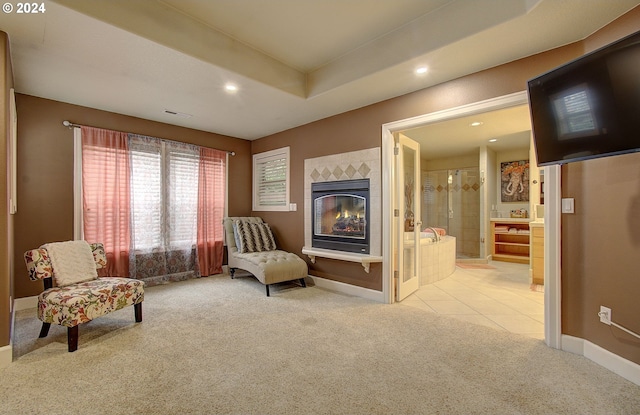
(514, 183)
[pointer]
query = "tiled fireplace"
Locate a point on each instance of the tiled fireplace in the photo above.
(352, 218)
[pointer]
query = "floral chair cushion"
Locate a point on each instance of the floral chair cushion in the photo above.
(38, 264)
(99, 255)
(78, 303)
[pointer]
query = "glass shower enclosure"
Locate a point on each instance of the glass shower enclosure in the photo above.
(451, 200)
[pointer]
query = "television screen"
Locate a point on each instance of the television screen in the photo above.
(589, 107)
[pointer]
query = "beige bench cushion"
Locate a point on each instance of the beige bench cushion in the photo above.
(270, 267)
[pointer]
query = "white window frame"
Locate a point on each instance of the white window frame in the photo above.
(266, 157)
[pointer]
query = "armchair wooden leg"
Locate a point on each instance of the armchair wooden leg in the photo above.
(232, 271)
(138, 311)
(302, 282)
(44, 330)
(72, 338)
(267, 285)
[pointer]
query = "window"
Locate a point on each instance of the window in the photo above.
(156, 205)
(271, 180)
(164, 184)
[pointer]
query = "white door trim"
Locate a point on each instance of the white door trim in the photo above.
(552, 228)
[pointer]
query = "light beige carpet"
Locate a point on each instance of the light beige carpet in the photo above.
(220, 346)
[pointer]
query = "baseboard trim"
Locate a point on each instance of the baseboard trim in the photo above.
(573, 345)
(6, 356)
(6, 352)
(618, 365)
(25, 303)
(348, 289)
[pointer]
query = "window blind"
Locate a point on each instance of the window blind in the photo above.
(147, 209)
(271, 180)
(182, 195)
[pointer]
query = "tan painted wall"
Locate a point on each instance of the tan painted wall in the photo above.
(604, 229)
(601, 241)
(6, 220)
(45, 170)
(361, 129)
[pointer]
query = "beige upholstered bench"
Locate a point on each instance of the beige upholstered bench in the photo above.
(251, 247)
(80, 295)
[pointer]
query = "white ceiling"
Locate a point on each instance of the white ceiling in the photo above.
(509, 129)
(294, 61)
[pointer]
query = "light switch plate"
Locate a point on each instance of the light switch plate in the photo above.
(568, 205)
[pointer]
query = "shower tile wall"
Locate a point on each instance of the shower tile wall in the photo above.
(470, 194)
(462, 196)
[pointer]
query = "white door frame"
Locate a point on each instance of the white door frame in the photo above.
(552, 311)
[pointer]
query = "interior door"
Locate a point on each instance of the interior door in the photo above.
(408, 222)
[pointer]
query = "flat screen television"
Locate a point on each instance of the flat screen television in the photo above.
(589, 107)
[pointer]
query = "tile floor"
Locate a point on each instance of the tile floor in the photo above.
(501, 298)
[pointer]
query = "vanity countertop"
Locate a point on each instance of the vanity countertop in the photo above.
(538, 223)
(511, 220)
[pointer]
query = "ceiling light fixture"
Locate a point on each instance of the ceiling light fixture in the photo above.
(231, 88)
(422, 70)
(476, 124)
(493, 140)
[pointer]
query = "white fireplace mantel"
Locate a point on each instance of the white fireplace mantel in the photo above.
(364, 259)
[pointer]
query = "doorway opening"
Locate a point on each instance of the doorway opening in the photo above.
(552, 213)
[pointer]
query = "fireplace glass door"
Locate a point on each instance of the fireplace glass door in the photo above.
(340, 215)
(340, 220)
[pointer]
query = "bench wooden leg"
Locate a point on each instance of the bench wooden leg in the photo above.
(267, 285)
(72, 338)
(138, 311)
(302, 282)
(44, 330)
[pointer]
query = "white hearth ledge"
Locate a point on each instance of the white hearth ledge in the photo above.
(363, 259)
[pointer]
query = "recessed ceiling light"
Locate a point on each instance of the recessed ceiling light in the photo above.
(421, 70)
(476, 124)
(231, 87)
(493, 140)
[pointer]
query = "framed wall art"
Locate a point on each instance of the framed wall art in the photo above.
(514, 181)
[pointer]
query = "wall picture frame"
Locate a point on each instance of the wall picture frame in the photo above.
(514, 181)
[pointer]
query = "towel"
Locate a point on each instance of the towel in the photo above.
(72, 262)
(441, 231)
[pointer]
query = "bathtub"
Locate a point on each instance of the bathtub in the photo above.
(437, 257)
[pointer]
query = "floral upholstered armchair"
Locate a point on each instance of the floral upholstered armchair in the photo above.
(79, 295)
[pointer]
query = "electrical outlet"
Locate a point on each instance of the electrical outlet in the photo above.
(605, 315)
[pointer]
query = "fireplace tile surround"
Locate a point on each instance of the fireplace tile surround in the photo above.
(361, 164)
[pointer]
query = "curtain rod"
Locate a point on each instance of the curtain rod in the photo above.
(70, 125)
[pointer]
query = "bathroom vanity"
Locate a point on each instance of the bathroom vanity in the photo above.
(510, 239)
(537, 251)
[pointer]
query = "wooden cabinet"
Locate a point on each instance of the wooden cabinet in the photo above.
(510, 240)
(537, 254)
